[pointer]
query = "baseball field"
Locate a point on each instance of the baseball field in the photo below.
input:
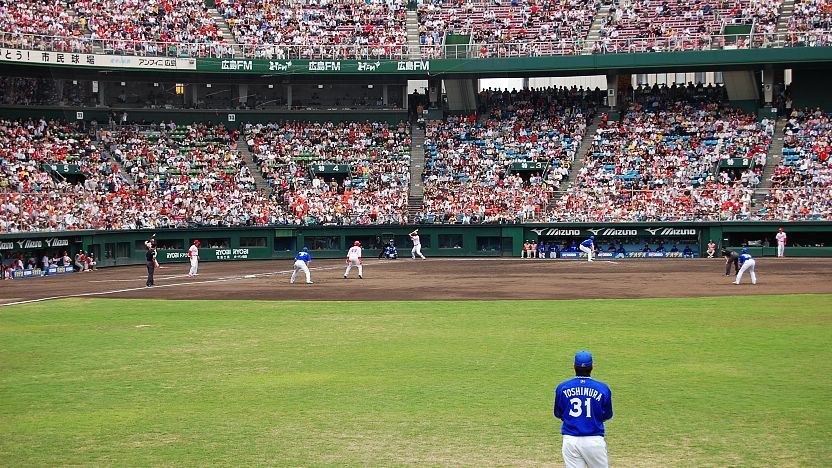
(726, 380)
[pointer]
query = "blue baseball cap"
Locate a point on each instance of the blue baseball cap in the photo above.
(583, 359)
(306, 249)
(745, 250)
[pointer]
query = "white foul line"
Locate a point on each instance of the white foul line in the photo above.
(239, 277)
(145, 288)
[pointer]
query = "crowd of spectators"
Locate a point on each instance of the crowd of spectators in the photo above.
(368, 29)
(335, 29)
(813, 17)
(658, 162)
(661, 25)
(335, 173)
(802, 182)
(508, 28)
(34, 195)
(144, 27)
(473, 166)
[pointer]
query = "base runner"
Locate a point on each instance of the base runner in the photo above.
(583, 404)
(193, 255)
(302, 260)
(747, 263)
(354, 260)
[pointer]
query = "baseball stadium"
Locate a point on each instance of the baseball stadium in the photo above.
(416, 233)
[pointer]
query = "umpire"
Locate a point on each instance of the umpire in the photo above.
(731, 257)
(150, 256)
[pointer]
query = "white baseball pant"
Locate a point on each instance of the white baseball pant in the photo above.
(194, 266)
(582, 452)
(747, 266)
(588, 252)
(300, 265)
(354, 262)
(781, 250)
(417, 250)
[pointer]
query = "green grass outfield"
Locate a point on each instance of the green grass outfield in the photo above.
(718, 381)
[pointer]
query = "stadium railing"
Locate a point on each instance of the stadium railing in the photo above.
(86, 45)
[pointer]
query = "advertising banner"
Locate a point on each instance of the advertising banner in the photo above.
(28, 273)
(650, 231)
(236, 253)
(59, 270)
(96, 60)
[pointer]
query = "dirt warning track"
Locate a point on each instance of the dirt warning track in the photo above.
(434, 279)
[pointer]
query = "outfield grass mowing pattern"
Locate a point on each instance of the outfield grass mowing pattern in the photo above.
(716, 381)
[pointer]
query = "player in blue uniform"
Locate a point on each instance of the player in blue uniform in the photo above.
(747, 263)
(588, 247)
(583, 404)
(302, 260)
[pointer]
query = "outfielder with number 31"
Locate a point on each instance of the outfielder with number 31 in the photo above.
(583, 404)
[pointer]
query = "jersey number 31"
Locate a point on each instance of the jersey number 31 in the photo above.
(576, 407)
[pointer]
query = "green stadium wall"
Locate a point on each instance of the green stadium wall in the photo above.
(114, 248)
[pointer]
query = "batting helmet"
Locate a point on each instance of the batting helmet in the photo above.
(305, 249)
(196, 241)
(745, 250)
(357, 243)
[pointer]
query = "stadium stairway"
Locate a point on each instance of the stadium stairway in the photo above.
(594, 30)
(416, 193)
(260, 182)
(222, 24)
(775, 153)
(414, 51)
(786, 11)
(124, 174)
(578, 163)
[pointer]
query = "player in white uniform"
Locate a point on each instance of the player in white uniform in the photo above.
(417, 245)
(781, 243)
(354, 260)
(193, 255)
(302, 260)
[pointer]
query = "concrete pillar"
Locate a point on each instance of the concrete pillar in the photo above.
(59, 88)
(242, 94)
(405, 96)
(384, 95)
(194, 94)
(100, 86)
(612, 90)
(768, 84)
(289, 97)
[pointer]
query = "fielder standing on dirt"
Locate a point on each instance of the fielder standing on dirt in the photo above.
(193, 255)
(354, 260)
(583, 404)
(781, 243)
(302, 260)
(417, 245)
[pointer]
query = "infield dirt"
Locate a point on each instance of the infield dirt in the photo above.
(435, 279)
